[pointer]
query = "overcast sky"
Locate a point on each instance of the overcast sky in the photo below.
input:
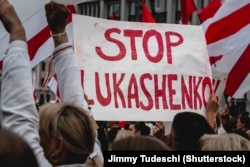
(24, 9)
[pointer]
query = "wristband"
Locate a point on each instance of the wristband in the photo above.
(58, 35)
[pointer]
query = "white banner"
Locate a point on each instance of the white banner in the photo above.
(142, 71)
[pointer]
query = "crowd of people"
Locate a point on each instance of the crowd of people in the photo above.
(66, 134)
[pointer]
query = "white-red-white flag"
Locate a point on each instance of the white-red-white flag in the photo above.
(40, 43)
(228, 42)
(209, 10)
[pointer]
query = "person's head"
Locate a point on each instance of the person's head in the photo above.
(123, 133)
(14, 151)
(243, 113)
(187, 128)
(224, 142)
(139, 143)
(131, 127)
(112, 124)
(243, 123)
(67, 133)
(142, 129)
(139, 128)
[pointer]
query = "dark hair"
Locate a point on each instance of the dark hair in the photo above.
(14, 151)
(187, 128)
(143, 128)
(245, 120)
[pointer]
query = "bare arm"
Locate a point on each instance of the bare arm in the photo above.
(11, 21)
(211, 109)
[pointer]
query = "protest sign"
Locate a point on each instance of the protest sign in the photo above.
(142, 71)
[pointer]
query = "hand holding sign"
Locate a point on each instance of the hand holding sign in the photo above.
(67, 2)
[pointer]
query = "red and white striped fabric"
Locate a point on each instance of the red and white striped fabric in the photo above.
(40, 43)
(228, 42)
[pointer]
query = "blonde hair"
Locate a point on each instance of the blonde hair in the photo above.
(71, 123)
(123, 133)
(224, 142)
(139, 143)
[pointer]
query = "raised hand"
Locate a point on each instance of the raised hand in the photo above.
(56, 15)
(11, 21)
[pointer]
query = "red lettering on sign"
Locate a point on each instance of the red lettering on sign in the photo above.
(146, 92)
(132, 34)
(133, 92)
(186, 91)
(104, 101)
(173, 39)
(121, 46)
(147, 36)
(172, 91)
(171, 44)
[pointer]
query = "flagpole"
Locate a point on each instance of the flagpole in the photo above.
(137, 11)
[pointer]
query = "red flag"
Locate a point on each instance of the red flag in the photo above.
(113, 16)
(187, 8)
(209, 10)
(227, 36)
(146, 14)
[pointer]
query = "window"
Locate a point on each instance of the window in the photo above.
(90, 9)
(177, 12)
(114, 8)
(41, 81)
(160, 10)
(131, 10)
(41, 100)
(43, 66)
(47, 97)
(157, 8)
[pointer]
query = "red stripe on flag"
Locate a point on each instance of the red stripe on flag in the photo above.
(37, 41)
(235, 21)
(209, 10)
(214, 59)
(238, 73)
(72, 11)
(82, 78)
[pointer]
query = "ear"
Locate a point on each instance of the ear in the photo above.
(58, 152)
(137, 132)
(59, 146)
(170, 138)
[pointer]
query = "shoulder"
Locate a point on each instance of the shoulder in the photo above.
(248, 133)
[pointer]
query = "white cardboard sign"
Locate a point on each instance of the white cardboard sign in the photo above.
(142, 71)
